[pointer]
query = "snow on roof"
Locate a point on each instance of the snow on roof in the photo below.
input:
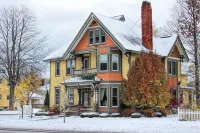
(79, 80)
(162, 46)
(58, 53)
(45, 87)
(126, 32)
(36, 96)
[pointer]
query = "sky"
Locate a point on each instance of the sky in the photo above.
(61, 20)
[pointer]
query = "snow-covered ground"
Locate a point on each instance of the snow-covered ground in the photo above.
(35, 110)
(168, 124)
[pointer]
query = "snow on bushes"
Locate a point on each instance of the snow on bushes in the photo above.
(104, 115)
(89, 114)
(136, 115)
(115, 115)
(158, 114)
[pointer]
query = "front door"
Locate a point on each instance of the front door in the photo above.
(86, 98)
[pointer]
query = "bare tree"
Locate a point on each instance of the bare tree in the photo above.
(21, 45)
(186, 22)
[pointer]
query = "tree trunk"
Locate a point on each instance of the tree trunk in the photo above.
(11, 98)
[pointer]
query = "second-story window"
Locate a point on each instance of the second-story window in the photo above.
(115, 62)
(103, 62)
(97, 34)
(57, 68)
(172, 67)
(103, 37)
(91, 35)
(68, 69)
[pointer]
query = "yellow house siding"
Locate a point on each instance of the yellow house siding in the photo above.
(125, 66)
(56, 80)
(78, 63)
(179, 70)
(4, 91)
(93, 59)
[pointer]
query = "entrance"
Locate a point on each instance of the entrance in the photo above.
(86, 97)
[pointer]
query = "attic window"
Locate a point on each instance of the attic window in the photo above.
(96, 36)
(91, 41)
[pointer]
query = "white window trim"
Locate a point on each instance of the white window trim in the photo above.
(112, 96)
(100, 63)
(100, 96)
(112, 62)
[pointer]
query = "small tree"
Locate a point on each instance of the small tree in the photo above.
(28, 86)
(46, 100)
(146, 82)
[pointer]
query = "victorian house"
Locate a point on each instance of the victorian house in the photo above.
(88, 71)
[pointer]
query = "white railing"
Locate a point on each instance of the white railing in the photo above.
(188, 114)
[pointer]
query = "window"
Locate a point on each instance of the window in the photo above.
(0, 96)
(91, 40)
(103, 97)
(172, 67)
(103, 62)
(96, 36)
(71, 96)
(86, 63)
(115, 62)
(103, 37)
(115, 101)
(1, 81)
(169, 67)
(57, 96)
(57, 68)
(68, 69)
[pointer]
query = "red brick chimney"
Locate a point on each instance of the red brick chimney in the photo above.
(147, 31)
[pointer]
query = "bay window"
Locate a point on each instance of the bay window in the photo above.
(115, 62)
(103, 60)
(103, 97)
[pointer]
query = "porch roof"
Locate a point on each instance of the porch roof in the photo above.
(83, 80)
(187, 88)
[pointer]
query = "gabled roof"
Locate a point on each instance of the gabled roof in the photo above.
(164, 45)
(125, 35)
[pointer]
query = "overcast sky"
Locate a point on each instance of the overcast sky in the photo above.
(60, 20)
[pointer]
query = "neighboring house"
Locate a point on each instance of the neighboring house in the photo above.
(39, 96)
(4, 92)
(93, 65)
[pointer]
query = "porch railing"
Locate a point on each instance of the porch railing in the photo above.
(85, 71)
(188, 114)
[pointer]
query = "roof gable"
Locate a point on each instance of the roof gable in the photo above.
(121, 33)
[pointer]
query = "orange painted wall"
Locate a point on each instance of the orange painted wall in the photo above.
(110, 76)
(173, 81)
(83, 44)
(94, 24)
(103, 50)
(175, 53)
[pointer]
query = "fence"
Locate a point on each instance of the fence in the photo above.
(188, 114)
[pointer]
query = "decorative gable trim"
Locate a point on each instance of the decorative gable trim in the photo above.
(83, 30)
(180, 47)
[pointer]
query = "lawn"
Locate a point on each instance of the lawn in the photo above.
(168, 124)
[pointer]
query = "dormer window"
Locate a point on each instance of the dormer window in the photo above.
(96, 36)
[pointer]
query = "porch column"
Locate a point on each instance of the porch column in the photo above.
(96, 99)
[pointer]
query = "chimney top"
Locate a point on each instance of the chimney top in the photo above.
(146, 3)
